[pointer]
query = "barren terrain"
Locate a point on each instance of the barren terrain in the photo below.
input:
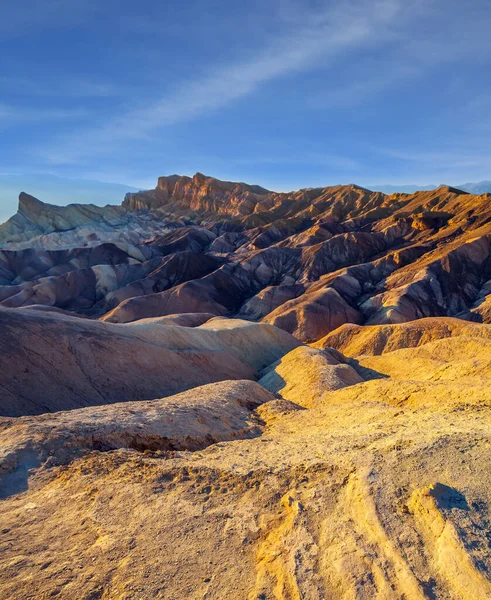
(216, 391)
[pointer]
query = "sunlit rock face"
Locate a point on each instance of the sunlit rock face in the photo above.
(199, 193)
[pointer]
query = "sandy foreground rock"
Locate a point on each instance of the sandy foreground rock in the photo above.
(188, 421)
(379, 489)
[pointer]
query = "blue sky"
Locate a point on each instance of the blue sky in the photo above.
(284, 93)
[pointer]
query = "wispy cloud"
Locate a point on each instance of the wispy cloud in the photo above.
(62, 87)
(318, 159)
(457, 159)
(325, 34)
(16, 19)
(362, 86)
(414, 52)
(10, 114)
(420, 166)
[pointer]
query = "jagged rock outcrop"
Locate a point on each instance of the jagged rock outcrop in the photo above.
(201, 193)
(35, 218)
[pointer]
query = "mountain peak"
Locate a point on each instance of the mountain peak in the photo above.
(26, 199)
(200, 192)
(29, 206)
(451, 190)
(35, 217)
(200, 177)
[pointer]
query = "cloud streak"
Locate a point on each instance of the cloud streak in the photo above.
(36, 15)
(63, 87)
(343, 163)
(454, 160)
(325, 35)
(11, 114)
(414, 53)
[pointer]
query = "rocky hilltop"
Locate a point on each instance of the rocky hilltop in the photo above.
(200, 193)
(35, 218)
(218, 391)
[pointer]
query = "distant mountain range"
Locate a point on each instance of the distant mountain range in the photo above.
(58, 190)
(306, 261)
(473, 188)
(63, 190)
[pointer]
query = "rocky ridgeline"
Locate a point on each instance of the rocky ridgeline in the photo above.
(306, 261)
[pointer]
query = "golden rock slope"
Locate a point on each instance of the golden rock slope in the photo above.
(367, 477)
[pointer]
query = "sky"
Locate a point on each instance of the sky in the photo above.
(283, 93)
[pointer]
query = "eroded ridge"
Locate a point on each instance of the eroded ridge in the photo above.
(453, 537)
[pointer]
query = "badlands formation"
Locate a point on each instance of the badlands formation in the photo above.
(216, 391)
